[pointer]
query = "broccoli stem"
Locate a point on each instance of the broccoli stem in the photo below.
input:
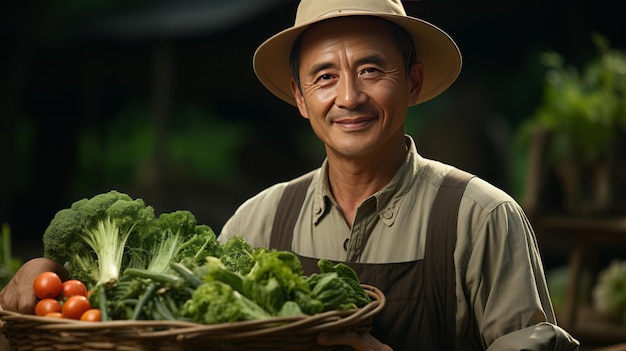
(106, 241)
(168, 248)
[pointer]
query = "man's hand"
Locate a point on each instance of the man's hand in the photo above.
(18, 295)
(357, 341)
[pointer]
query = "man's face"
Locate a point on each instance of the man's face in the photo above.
(355, 89)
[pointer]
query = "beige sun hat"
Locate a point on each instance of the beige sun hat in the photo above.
(435, 49)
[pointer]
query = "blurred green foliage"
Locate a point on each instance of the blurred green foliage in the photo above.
(557, 279)
(8, 264)
(195, 144)
(581, 108)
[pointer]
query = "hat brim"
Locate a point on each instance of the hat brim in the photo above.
(435, 50)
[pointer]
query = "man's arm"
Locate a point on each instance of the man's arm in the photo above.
(506, 283)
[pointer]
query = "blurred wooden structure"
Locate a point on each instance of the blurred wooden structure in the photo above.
(618, 347)
(586, 233)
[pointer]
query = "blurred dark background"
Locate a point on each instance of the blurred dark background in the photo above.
(158, 99)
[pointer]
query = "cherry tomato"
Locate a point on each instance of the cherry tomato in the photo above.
(73, 287)
(75, 306)
(47, 305)
(54, 315)
(47, 284)
(91, 315)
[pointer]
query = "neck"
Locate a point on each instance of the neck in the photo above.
(354, 179)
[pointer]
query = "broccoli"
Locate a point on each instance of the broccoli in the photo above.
(177, 238)
(237, 255)
(89, 238)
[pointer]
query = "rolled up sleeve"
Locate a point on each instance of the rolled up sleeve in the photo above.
(542, 336)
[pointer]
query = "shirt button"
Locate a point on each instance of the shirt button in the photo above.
(388, 214)
(318, 210)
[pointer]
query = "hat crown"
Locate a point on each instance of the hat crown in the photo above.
(314, 10)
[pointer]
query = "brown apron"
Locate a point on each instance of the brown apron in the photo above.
(421, 298)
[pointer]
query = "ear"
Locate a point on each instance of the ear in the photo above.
(297, 94)
(416, 77)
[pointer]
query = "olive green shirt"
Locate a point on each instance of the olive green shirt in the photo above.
(500, 283)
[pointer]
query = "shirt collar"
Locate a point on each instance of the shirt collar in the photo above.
(388, 199)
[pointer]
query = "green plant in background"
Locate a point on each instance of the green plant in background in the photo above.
(573, 132)
(581, 108)
(609, 293)
(195, 144)
(8, 264)
(558, 278)
(205, 145)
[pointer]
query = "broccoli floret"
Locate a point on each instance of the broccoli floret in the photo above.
(237, 255)
(89, 238)
(202, 244)
(179, 238)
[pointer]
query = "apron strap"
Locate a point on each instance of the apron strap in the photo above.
(287, 212)
(439, 270)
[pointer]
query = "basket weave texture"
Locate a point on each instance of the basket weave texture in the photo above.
(28, 332)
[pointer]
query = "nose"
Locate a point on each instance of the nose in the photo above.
(349, 93)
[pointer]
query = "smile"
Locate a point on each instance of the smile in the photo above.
(355, 123)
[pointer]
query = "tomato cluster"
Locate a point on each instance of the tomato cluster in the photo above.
(60, 299)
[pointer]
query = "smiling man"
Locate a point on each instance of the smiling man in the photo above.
(455, 256)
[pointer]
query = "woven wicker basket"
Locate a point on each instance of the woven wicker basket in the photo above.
(28, 332)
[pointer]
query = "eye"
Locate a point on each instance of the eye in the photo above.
(369, 70)
(324, 77)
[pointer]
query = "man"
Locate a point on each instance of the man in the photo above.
(352, 68)
(471, 281)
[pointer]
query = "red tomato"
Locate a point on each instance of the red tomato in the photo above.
(75, 306)
(91, 315)
(47, 284)
(47, 305)
(73, 287)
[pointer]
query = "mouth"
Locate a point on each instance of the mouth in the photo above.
(354, 123)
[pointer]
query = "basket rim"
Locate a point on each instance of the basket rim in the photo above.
(305, 324)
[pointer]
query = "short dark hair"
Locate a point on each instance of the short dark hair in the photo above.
(402, 41)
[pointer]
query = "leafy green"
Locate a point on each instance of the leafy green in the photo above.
(217, 302)
(277, 284)
(331, 291)
(356, 295)
(275, 278)
(215, 270)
